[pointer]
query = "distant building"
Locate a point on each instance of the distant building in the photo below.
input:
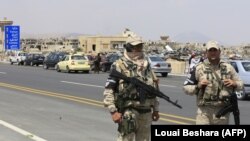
(98, 44)
(3, 23)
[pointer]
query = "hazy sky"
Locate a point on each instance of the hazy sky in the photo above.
(224, 20)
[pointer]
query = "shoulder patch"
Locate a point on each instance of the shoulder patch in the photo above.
(111, 83)
(191, 79)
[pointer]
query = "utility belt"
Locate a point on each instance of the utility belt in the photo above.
(213, 101)
(124, 102)
(210, 103)
(139, 110)
(136, 97)
(142, 111)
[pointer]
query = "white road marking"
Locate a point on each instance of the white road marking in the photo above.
(103, 86)
(168, 86)
(178, 75)
(82, 84)
(3, 72)
(21, 131)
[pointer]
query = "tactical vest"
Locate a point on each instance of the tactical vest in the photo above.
(215, 93)
(130, 95)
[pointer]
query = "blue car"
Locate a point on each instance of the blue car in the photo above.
(52, 59)
(242, 67)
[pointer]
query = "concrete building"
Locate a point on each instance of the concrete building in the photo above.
(96, 44)
(3, 23)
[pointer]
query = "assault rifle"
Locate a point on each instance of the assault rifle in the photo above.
(143, 88)
(231, 107)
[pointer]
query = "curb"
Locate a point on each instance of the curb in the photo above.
(4, 62)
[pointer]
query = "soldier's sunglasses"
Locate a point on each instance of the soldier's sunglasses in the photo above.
(137, 46)
(213, 50)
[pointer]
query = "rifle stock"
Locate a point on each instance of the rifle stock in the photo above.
(147, 88)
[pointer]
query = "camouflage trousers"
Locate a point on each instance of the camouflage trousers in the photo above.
(206, 116)
(141, 129)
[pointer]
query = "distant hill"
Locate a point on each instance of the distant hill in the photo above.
(191, 37)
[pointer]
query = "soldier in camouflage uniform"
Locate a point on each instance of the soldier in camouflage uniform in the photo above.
(133, 113)
(212, 80)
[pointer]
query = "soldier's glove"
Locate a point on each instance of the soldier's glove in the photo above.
(155, 115)
(117, 117)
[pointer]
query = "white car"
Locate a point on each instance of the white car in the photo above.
(18, 57)
(159, 65)
(242, 67)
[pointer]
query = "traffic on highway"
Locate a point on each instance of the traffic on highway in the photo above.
(47, 105)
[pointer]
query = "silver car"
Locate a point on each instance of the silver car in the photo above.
(242, 67)
(159, 65)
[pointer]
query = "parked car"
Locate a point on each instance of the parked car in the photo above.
(159, 65)
(75, 62)
(17, 57)
(108, 61)
(242, 67)
(34, 59)
(52, 59)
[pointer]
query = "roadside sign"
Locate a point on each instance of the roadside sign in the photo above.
(12, 37)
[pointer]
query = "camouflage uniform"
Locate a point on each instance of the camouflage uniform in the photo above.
(210, 101)
(136, 115)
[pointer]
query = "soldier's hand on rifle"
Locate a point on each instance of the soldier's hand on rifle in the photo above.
(155, 115)
(157, 81)
(203, 83)
(117, 117)
(229, 83)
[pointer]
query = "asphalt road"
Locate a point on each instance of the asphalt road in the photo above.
(61, 107)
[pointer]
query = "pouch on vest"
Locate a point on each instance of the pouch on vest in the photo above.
(127, 126)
